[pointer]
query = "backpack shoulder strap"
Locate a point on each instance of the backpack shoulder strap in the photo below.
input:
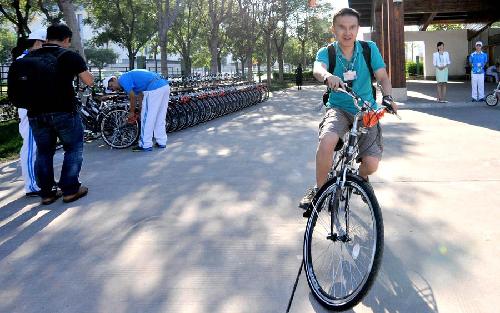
(332, 58)
(367, 54)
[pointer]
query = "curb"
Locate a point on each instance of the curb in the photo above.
(437, 105)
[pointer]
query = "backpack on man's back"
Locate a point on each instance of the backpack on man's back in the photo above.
(32, 80)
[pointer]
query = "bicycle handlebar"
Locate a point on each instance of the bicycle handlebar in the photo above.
(366, 104)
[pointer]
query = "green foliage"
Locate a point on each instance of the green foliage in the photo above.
(129, 23)
(100, 57)
(411, 68)
(10, 140)
(7, 42)
(435, 27)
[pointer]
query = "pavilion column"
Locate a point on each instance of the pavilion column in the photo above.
(392, 45)
(377, 24)
(397, 50)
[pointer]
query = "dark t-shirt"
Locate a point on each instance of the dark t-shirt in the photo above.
(69, 65)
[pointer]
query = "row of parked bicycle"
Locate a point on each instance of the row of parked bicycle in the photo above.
(106, 115)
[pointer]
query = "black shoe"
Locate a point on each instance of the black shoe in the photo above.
(141, 149)
(306, 201)
(33, 194)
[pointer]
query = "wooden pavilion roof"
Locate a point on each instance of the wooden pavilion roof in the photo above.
(476, 14)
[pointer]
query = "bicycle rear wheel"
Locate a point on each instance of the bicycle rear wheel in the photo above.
(343, 243)
(116, 131)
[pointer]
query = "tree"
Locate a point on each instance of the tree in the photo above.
(19, 13)
(129, 23)
(7, 42)
(51, 10)
(166, 15)
(100, 57)
(285, 9)
(186, 30)
(218, 12)
(244, 30)
(68, 10)
(268, 21)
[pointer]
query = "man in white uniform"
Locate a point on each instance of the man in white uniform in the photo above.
(28, 150)
(153, 92)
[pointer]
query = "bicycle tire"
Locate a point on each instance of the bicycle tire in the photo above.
(491, 99)
(352, 249)
(116, 131)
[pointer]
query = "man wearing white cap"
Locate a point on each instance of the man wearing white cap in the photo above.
(28, 150)
(478, 59)
(153, 92)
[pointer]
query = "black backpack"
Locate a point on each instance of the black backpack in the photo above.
(332, 61)
(33, 79)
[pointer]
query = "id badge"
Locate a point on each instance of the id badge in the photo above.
(349, 75)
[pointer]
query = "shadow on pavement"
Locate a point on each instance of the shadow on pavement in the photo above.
(208, 225)
(481, 116)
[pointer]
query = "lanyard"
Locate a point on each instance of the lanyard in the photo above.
(350, 66)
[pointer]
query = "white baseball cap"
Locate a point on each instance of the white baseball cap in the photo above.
(39, 34)
(105, 83)
(479, 43)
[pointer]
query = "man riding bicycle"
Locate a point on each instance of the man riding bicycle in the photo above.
(351, 58)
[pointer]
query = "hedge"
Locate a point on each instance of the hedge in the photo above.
(306, 75)
(411, 68)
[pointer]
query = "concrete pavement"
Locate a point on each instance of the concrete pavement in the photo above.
(210, 224)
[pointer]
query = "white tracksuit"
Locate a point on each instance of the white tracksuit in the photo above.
(153, 117)
(477, 86)
(28, 152)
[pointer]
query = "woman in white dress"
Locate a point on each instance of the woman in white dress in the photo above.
(441, 61)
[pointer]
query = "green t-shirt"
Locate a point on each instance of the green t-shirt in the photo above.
(362, 84)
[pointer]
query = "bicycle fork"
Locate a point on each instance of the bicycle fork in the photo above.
(335, 209)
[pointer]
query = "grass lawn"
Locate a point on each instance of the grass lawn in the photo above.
(10, 140)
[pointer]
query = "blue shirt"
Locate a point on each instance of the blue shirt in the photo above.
(362, 84)
(478, 61)
(140, 81)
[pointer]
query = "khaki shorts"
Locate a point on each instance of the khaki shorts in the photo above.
(339, 122)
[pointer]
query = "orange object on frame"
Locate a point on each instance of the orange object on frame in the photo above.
(371, 119)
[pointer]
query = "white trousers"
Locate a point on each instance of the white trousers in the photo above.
(28, 152)
(153, 117)
(477, 86)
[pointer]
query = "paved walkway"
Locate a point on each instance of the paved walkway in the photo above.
(211, 224)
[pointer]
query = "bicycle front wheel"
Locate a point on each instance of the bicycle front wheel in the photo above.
(343, 243)
(116, 131)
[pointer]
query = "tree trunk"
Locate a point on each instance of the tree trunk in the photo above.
(279, 51)
(131, 59)
(212, 45)
(258, 72)
(66, 6)
(268, 61)
(303, 52)
(249, 65)
(163, 57)
(219, 61)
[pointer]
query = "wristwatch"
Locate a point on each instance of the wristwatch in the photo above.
(387, 98)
